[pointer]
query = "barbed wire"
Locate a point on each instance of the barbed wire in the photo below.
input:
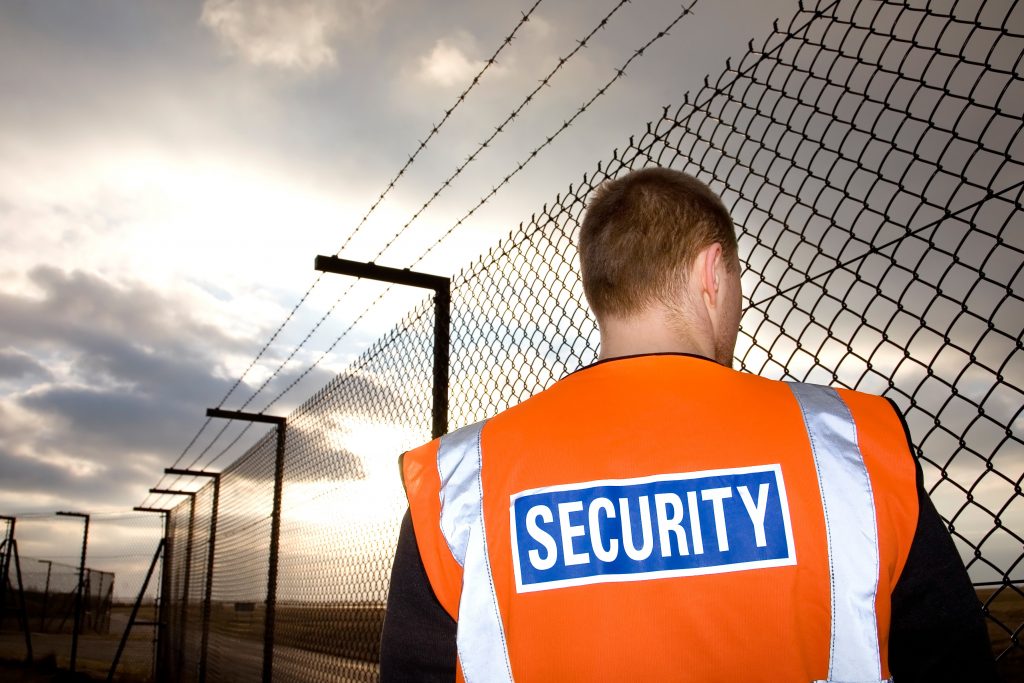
(687, 9)
(619, 73)
(435, 128)
(302, 376)
(544, 82)
(433, 131)
(500, 128)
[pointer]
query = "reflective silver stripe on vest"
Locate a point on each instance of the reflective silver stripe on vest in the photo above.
(483, 652)
(851, 530)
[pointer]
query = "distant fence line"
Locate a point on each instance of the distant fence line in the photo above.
(42, 596)
(50, 588)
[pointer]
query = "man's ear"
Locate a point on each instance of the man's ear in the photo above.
(710, 264)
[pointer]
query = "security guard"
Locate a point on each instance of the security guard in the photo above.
(658, 516)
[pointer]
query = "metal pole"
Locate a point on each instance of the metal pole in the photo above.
(442, 319)
(275, 527)
(179, 659)
(24, 609)
(164, 614)
(211, 548)
(442, 327)
(135, 612)
(187, 583)
(5, 565)
(46, 595)
(159, 673)
(87, 600)
(208, 604)
(81, 587)
(275, 538)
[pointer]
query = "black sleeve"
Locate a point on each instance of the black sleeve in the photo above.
(418, 641)
(938, 630)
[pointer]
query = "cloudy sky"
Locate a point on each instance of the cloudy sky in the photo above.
(168, 170)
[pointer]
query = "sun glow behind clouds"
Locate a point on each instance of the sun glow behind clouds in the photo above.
(233, 234)
(327, 523)
(371, 498)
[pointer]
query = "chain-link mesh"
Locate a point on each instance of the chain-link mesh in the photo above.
(240, 567)
(179, 545)
(871, 155)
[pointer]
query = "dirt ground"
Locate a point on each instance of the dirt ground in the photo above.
(41, 672)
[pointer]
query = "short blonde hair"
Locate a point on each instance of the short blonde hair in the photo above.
(641, 230)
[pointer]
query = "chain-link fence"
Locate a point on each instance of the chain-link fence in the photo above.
(49, 590)
(119, 552)
(871, 155)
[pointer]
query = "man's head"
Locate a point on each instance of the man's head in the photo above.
(658, 257)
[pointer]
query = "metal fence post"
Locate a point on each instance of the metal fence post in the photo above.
(187, 579)
(22, 609)
(5, 565)
(275, 527)
(87, 606)
(81, 587)
(275, 541)
(442, 342)
(46, 595)
(159, 668)
(211, 549)
(442, 319)
(163, 652)
(10, 551)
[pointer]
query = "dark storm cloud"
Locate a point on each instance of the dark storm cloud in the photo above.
(16, 365)
(83, 310)
(142, 373)
(96, 490)
(139, 371)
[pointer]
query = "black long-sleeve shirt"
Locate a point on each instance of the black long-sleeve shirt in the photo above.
(937, 631)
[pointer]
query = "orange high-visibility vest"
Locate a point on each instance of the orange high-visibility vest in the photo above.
(665, 518)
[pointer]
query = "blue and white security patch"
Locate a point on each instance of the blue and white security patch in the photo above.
(651, 527)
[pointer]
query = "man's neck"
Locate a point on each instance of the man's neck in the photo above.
(653, 331)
